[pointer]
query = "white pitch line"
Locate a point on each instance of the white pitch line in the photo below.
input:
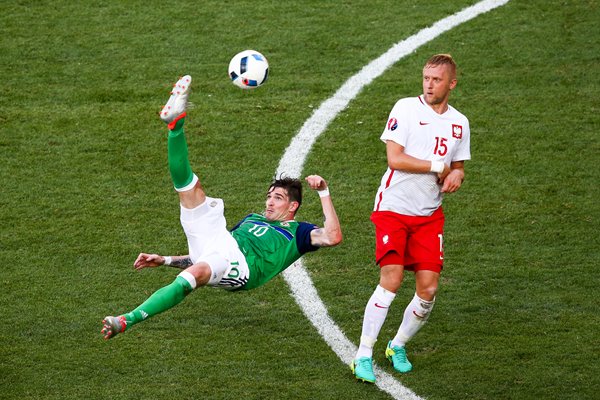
(292, 162)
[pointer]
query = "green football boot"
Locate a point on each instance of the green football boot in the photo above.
(362, 369)
(397, 356)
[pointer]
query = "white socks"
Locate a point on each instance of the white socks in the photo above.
(415, 316)
(375, 314)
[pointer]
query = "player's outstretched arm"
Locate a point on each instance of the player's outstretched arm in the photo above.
(331, 233)
(144, 260)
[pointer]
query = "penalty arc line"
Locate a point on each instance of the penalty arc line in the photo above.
(292, 162)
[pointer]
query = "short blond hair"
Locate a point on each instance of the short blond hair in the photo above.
(442, 59)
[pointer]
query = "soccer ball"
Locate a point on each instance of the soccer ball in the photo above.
(248, 69)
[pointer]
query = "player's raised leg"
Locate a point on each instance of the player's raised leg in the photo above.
(173, 113)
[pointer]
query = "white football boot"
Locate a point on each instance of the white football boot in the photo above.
(111, 326)
(177, 103)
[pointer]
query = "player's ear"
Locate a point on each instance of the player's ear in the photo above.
(453, 83)
(294, 206)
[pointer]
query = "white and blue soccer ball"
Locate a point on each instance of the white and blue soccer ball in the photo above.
(248, 69)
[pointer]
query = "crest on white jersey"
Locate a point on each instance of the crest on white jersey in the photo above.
(456, 131)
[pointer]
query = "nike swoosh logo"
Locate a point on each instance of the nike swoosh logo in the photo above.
(378, 306)
(423, 123)
(416, 315)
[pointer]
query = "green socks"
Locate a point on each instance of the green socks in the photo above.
(161, 300)
(179, 165)
(181, 174)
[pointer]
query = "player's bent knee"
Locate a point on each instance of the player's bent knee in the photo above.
(201, 272)
(192, 198)
(427, 293)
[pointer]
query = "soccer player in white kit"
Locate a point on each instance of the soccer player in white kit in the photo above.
(427, 142)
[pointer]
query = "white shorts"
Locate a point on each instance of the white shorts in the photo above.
(210, 241)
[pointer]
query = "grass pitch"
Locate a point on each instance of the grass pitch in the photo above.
(85, 188)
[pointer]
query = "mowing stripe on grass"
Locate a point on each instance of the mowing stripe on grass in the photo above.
(292, 163)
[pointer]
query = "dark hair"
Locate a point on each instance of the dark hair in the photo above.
(292, 186)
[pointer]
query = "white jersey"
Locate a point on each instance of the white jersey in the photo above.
(426, 135)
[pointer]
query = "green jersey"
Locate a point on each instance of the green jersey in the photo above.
(271, 246)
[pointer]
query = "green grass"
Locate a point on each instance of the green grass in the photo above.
(85, 188)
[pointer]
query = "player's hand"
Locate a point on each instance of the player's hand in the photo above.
(452, 181)
(316, 182)
(148, 261)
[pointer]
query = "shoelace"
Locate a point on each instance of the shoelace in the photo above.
(365, 363)
(399, 355)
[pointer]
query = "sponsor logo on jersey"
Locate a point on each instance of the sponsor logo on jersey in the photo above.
(385, 239)
(456, 131)
(392, 124)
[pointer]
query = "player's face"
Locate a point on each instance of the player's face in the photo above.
(278, 206)
(438, 81)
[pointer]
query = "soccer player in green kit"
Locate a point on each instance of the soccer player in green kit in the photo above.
(257, 249)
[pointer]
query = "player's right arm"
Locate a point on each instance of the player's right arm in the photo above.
(400, 161)
(331, 233)
(144, 260)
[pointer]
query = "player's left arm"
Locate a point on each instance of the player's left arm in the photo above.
(331, 233)
(145, 260)
(453, 181)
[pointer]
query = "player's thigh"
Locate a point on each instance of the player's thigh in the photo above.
(202, 224)
(391, 235)
(228, 266)
(425, 244)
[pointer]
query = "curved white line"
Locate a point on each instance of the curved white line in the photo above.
(292, 162)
